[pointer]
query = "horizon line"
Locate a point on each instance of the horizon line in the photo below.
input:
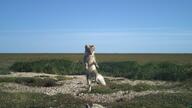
(96, 53)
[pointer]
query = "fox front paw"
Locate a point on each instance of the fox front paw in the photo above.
(97, 66)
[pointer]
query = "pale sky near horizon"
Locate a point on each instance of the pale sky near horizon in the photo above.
(114, 26)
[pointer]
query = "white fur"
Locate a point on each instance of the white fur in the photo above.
(100, 79)
(91, 66)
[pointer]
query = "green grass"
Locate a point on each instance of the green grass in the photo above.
(185, 85)
(162, 100)
(4, 67)
(38, 100)
(130, 69)
(140, 58)
(148, 71)
(145, 64)
(61, 67)
(4, 71)
(114, 87)
(31, 81)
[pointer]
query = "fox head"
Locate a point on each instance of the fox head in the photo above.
(90, 49)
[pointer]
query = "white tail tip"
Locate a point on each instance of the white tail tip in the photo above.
(100, 79)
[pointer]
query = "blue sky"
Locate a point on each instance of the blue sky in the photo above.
(114, 26)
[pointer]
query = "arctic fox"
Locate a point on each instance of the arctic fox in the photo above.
(91, 67)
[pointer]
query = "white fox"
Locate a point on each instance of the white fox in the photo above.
(91, 67)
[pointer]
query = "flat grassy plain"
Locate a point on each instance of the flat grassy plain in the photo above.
(140, 58)
(144, 64)
(133, 66)
(7, 59)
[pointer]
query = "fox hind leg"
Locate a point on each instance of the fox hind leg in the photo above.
(89, 83)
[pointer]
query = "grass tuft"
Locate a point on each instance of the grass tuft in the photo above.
(161, 100)
(38, 100)
(114, 87)
(31, 81)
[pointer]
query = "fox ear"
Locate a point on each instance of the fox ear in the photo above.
(93, 46)
(86, 46)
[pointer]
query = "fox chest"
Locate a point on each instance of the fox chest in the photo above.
(90, 60)
(91, 64)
